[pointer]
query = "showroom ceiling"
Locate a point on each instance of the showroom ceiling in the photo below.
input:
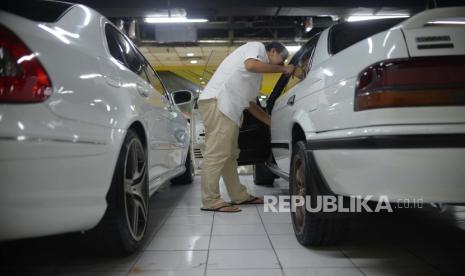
(235, 21)
(194, 50)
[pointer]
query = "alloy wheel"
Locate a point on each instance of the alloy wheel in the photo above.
(135, 190)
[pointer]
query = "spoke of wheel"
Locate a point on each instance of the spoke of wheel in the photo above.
(139, 173)
(135, 222)
(134, 159)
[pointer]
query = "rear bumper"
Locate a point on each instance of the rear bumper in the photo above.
(429, 167)
(52, 186)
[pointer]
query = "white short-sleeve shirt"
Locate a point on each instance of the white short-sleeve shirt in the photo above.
(232, 85)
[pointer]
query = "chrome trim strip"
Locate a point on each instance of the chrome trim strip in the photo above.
(56, 140)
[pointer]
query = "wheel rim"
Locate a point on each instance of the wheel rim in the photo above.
(298, 190)
(135, 190)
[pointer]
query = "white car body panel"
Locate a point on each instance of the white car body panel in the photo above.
(58, 157)
(324, 109)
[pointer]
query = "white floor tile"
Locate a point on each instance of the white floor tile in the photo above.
(190, 272)
(236, 218)
(185, 230)
(238, 229)
(285, 242)
(171, 260)
(190, 212)
(246, 259)
(301, 258)
(347, 271)
(279, 228)
(240, 242)
(244, 272)
(189, 220)
(192, 242)
(276, 218)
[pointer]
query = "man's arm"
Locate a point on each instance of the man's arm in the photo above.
(258, 113)
(256, 66)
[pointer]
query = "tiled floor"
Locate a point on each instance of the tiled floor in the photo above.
(182, 240)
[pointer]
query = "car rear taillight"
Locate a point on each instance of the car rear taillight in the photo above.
(426, 81)
(22, 77)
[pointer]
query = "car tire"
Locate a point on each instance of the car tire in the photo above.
(188, 176)
(262, 176)
(123, 226)
(311, 228)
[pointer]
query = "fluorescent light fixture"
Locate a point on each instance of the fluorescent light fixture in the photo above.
(293, 49)
(190, 54)
(165, 20)
(447, 22)
(363, 17)
(194, 61)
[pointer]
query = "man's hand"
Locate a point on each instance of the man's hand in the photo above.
(258, 113)
(288, 70)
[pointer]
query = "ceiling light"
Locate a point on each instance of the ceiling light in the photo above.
(161, 20)
(447, 22)
(190, 54)
(194, 61)
(363, 17)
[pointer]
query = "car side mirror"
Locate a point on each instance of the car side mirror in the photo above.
(183, 100)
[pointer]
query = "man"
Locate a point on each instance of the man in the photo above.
(232, 89)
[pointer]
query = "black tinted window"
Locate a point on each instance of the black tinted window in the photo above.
(123, 50)
(41, 11)
(343, 35)
(113, 43)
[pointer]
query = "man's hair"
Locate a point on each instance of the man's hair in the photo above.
(278, 46)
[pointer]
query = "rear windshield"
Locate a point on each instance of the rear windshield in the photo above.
(41, 11)
(343, 35)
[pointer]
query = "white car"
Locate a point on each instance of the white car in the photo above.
(380, 111)
(87, 130)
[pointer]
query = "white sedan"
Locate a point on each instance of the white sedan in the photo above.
(377, 108)
(87, 130)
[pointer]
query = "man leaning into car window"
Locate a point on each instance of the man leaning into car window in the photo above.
(232, 89)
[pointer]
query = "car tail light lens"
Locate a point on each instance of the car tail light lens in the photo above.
(22, 77)
(427, 81)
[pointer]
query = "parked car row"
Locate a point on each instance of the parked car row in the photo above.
(88, 131)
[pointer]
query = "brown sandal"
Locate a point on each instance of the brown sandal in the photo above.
(224, 207)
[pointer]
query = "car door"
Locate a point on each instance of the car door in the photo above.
(290, 90)
(154, 107)
(256, 141)
(174, 141)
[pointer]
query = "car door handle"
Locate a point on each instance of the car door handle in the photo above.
(144, 92)
(290, 101)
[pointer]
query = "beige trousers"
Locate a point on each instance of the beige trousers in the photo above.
(219, 158)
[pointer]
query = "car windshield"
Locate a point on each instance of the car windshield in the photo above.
(344, 35)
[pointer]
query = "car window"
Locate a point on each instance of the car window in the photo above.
(303, 63)
(154, 80)
(123, 50)
(284, 83)
(344, 35)
(113, 44)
